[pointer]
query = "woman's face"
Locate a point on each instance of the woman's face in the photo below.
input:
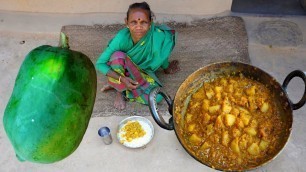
(139, 23)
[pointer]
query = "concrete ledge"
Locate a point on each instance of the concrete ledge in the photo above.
(50, 22)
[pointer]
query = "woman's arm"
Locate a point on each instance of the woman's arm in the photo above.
(113, 46)
(102, 61)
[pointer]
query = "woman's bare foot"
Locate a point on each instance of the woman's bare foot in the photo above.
(173, 67)
(119, 101)
(106, 88)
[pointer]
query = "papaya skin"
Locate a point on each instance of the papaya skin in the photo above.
(51, 104)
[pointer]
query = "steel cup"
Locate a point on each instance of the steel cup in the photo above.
(105, 134)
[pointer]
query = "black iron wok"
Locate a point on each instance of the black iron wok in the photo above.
(177, 107)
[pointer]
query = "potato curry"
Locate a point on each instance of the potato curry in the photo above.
(232, 123)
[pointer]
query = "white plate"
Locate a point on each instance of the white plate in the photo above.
(138, 142)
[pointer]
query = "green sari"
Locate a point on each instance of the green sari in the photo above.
(149, 54)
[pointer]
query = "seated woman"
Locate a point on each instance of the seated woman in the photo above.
(134, 54)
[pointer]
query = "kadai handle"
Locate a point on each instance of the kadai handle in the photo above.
(302, 75)
(154, 110)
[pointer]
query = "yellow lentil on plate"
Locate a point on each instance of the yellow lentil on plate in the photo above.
(133, 130)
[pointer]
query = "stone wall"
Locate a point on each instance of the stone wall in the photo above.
(189, 7)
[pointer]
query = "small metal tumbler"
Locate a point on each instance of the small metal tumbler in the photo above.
(105, 133)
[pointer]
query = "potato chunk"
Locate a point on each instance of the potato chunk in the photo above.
(235, 111)
(252, 103)
(229, 119)
(243, 143)
(216, 138)
(251, 91)
(195, 139)
(209, 129)
(199, 94)
(218, 96)
(241, 109)
(236, 132)
(234, 146)
(245, 118)
(219, 122)
(264, 108)
(214, 109)
(205, 104)
(243, 101)
(210, 93)
(239, 123)
(226, 106)
(225, 138)
(254, 149)
(206, 118)
(263, 145)
(223, 81)
(205, 145)
(191, 127)
(230, 88)
(254, 123)
(188, 117)
(194, 105)
(218, 89)
(251, 131)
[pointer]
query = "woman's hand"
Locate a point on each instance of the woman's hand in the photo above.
(129, 83)
(173, 67)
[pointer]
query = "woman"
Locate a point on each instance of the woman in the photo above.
(134, 54)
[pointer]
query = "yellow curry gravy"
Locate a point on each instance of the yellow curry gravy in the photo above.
(232, 123)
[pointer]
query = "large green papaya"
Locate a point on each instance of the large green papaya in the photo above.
(51, 104)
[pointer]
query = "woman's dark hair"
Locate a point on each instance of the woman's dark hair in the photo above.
(140, 5)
